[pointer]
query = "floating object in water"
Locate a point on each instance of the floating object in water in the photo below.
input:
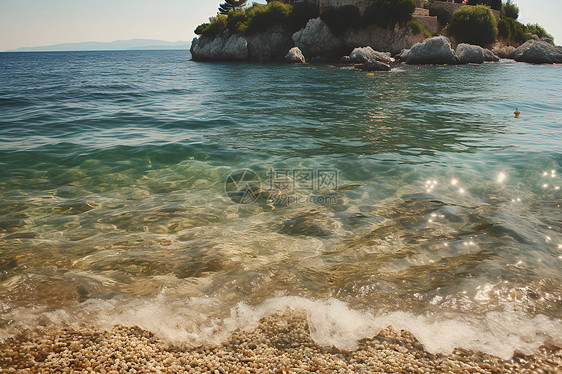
(517, 112)
(371, 74)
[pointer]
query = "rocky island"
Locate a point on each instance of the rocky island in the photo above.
(373, 34)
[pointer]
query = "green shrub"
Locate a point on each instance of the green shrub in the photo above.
(515, 32)
(237, 21)
(512, 31)
(474, 25)
(494, 4)
(200, 30)
(417, 28)
(442, 15)
(509, 10)
(341, 19)
(387, 13)
(261, 17)
(216, 26)
(539, 31)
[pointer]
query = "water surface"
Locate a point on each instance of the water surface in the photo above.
(444, 217)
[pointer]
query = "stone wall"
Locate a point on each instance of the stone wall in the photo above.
(430, 23)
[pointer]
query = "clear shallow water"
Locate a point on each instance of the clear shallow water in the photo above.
(446, 219)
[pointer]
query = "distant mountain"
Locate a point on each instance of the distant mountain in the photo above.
(127, 45)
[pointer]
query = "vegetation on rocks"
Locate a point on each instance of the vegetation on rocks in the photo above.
(387, 13)
(512, 32)
(417, 28)
(474, 25)
(494, 4)
(259, 17)
(216, 26)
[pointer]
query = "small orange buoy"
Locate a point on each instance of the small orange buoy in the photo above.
(517, 112)
(371, 74)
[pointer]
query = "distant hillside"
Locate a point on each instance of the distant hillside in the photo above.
(133, 44)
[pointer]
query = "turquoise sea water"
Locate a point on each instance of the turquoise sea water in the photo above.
(412, 198)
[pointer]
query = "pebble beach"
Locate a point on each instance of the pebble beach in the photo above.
(279, 344)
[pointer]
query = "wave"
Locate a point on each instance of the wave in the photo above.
(332, 323)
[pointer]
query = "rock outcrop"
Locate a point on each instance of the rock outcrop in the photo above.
(222, 47)
(365, 54)
(316, 40)
(270, 45)
(392, 40)
(433, 51)
(295, 56)
(538, 52)
(474, 54)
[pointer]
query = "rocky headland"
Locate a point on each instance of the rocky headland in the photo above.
(351, 37)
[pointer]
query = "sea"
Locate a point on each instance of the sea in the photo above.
(192, 199)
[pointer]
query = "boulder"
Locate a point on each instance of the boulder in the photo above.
(295, 56)
(489, 56)
(504, 51)
(375, 66)
(316, 40)
(433, 51)
(364, 54)
(538, 52)
(474, 54)
(469, 54)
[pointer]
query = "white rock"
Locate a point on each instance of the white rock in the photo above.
(295, 55)
(316, 40)
(364, 54)
(219, 48)
(433, 51)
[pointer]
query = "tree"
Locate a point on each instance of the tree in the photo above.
(510, 10)
(230, 5)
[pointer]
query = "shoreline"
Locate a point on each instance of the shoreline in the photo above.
(281, 343)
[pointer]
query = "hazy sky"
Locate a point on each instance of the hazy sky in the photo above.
(29, 23)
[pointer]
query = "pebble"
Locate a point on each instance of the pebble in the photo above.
(279, 344)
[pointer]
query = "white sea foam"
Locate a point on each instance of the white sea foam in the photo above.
(197, 321)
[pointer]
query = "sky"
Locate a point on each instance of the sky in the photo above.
(31, 23)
